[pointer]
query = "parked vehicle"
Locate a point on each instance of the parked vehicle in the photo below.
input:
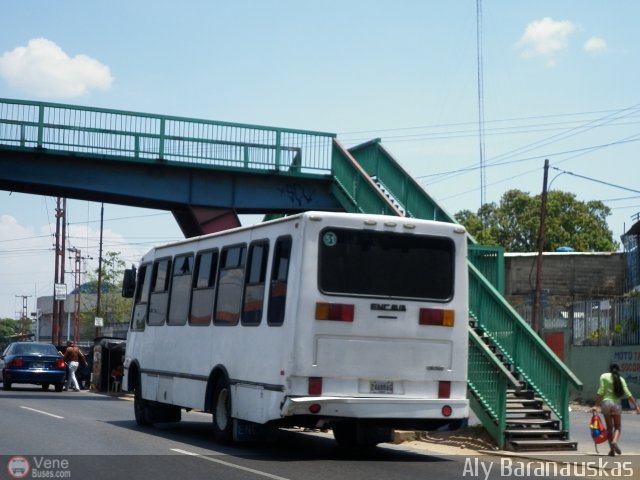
(37, 363)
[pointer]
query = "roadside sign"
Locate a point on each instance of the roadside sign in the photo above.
(60, 290)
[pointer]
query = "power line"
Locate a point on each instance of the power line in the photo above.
(596, 180)
(472, 125)
(620, 199)
(579, 151)
(116, 219)
(570, 133)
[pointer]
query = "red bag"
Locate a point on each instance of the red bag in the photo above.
(598, 429)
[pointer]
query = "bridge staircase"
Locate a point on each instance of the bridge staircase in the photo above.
(518, 388)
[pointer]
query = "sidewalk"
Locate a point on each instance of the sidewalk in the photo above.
(470, 442)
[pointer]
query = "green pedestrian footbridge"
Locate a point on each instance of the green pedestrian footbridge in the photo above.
(208, 172)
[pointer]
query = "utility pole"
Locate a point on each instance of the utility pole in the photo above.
(98, 332)
(77, 271)
(535, 313)
(58, 280)
(23, 316)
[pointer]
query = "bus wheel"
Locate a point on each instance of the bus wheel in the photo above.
(352, 434)
(221, 410)
(140, 406)
(346, 433)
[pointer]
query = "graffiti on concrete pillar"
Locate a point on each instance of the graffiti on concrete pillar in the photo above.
(297, 194)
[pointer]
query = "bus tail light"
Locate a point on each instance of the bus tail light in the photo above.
(315, 386)
(444, 389)
(447, 411)
(434, 316)
(315, 408)
(341, 312)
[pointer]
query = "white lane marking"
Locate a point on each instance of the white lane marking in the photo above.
(40, 411)
(228, 464)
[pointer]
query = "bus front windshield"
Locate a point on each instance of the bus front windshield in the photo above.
(386, 264)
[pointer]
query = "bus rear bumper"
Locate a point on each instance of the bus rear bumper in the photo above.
(377, 407)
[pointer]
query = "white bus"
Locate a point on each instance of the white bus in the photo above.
(352, 322)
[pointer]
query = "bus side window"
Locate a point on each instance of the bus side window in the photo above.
(140, 303)
(204, 281)
(230, 285)
(180, 290)
(159, 292)
(254, 283)
(279, 279)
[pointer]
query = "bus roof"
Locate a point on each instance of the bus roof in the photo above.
(305, 216)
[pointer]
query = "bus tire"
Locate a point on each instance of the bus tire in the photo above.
(345, 434)
(140, 405)
(221, 410)
(352, 434)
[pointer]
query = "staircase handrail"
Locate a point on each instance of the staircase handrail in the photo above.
(405, 189)
(488, 380)
(486, 351)
(354, 188)
(533, 359)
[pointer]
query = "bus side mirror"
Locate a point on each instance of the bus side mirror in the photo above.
(129, 282)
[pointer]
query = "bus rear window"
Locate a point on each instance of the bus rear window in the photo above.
(386, 264)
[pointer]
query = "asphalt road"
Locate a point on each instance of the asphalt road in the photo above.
(88, 435)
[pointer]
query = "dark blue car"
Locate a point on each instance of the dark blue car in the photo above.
(32, 362)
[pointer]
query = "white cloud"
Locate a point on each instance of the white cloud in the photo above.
(43, 69)
(595, 45)
(545, 38)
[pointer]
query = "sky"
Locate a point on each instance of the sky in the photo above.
(559, 81)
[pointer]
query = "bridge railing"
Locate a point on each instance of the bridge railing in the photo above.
(140, 136)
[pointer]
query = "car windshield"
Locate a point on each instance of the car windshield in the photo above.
(34, 349)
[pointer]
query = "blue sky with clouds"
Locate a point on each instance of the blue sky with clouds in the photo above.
(560, 81)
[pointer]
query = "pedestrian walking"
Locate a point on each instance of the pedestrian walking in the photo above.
(611, 390)
(73, 356)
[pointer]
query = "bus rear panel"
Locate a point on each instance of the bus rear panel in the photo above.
(381, 324)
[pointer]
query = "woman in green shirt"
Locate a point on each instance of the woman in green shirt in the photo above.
(611, 390)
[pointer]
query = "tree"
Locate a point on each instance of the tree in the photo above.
(514, 223)
(113, 307)
(8, 327)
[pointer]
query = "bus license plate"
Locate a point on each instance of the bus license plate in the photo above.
(381, 386)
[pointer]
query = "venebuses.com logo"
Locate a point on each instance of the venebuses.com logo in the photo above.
(38, 467)
(18, 467)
